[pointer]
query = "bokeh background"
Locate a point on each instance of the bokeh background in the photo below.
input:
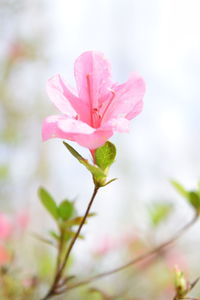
(160, 40)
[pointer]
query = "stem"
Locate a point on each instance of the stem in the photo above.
(61, 266)
(79, 230)
(60, 248)
(188, 298)
(137, 259)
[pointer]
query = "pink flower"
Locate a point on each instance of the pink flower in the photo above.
(91, 115)
(6, 227)
(9, 226)
(104, 245)
(22, 219)
(5, 256)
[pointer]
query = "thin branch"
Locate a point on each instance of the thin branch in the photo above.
(137, 259)
(189, 298)
(58, 275)
(79, 230)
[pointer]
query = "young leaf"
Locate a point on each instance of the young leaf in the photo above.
(180, 189)
(4, 171)
(181, 284)
(110, 181)
(77, 220)
(70, 234)
(48, 202)
(198, 186)
(105, 155)
(66, 210)
(54, 235)
(194, 199)
(98, 173)
(74, 153)
(159, 212)
(42, 239)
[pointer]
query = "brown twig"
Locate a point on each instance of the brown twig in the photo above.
(61, 266)
(137, 259)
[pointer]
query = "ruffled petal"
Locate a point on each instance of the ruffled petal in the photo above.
(61, 96)
(74, 130)
(50, 128)
(94, 140)
(135, 111)
(127, 99)
(73, 126)
(119, 125)
(93, 77)
(83, 134)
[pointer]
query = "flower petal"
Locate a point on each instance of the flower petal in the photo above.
(59, 126)
(50, 128)
(93, 77)
(127, 99)
(65, 100)
(135, 111)
(72, 126)
(61, 96)
(118, 124)
(94, 140)
(83, 134)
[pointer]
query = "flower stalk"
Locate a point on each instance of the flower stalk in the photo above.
(61, 263)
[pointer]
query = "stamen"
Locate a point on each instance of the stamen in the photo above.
(90, 98)
(96, 117)
(109, 103)
(77, 117)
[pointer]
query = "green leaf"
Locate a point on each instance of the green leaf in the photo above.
(70, 234)
(98, 294)
(181, 285)
(54, 235)
(48, 202)
(110, 181)
(180, 189)
(159, 212)
(78, 220)
(198, 185)
(4, 172)
(66, 210)
(105, 155)
(75, 153)
(194, 199)
(42, 239)
(98, 173)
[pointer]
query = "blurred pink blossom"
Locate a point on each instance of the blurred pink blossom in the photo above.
(175, 257)
(16, 50)
(22, 219)
(10, 226)
(99, 108)
(104, 245)
(5, 256)
(6, 227)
